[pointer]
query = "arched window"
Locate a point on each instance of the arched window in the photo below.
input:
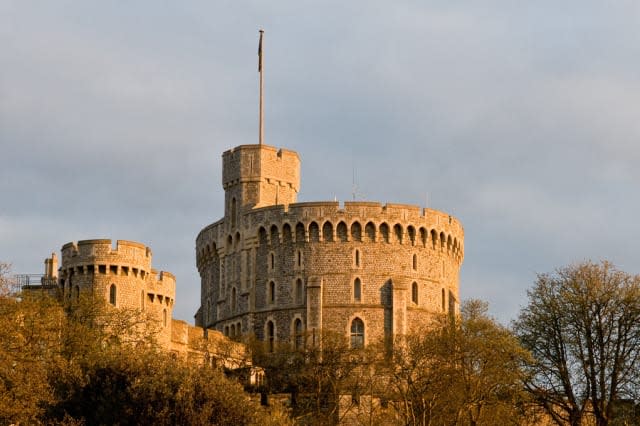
(271, 336)
(356, 231)
(299, 258)
(384, 232)
(398, 233)
(415, 262)
(414, 293)
(356, 259)
(112, 294)
(77, 292)
(443, 300)
(272, 261)
(275, 237)
(370, 232)
(411, 231)
(314, 232)
(357, 333)
(142, 299)
(341, 232)
(327, 231)
(286, 233)
(232, 332)
(164, 317)
(272, 292)
(357, 290)
(298, 337)
(424, 235)
(300, 233)
(299, 292)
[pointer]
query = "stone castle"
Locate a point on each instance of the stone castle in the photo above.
(281, 270)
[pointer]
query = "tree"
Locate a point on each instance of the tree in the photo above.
(326, 380)
(142, 386)
(460, 371)
(82, 362)
(582, 325)
(29, 330)
(5, 288)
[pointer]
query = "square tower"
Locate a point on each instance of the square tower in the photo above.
(258, 176)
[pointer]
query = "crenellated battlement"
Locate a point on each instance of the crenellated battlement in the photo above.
(332, 222)
(127, 264)
(102, 250)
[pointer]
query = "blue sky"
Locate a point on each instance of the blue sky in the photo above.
(520, 118)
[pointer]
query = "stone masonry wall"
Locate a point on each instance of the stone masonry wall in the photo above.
(387, 248)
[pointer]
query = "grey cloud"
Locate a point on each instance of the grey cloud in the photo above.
(518, 118)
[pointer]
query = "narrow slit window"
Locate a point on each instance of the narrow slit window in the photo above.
(299, 292)
(270, 336)
(112, 294)
(272, 292)
(357, 290)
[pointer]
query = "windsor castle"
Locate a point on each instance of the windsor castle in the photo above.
(284, 271)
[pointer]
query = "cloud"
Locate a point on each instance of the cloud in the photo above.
(520, 119)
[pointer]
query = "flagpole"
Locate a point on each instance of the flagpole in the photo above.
(260, 70)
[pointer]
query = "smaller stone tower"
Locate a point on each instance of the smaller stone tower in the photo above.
(256, 176)
(122, 275)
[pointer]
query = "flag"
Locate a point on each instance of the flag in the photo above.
(260, 52)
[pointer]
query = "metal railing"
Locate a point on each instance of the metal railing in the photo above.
(20, 282)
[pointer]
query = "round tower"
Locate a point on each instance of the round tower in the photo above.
(279, 269)
(122, 275)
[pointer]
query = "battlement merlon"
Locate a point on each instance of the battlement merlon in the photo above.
(103, 251)
(259, 176)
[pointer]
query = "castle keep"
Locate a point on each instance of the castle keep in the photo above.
(280, 269)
